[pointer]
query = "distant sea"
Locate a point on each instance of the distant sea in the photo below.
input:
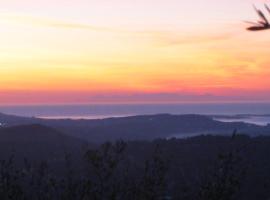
(258, 113)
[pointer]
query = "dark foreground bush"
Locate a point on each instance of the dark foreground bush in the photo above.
(113, 172)
(108, 174)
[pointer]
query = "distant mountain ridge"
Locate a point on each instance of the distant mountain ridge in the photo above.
(144, 127)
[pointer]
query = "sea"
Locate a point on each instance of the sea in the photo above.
(256, 113)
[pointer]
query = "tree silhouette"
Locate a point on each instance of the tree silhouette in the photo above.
(263, 23)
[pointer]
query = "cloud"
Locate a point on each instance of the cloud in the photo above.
(157, 36)
(54, 23)
(180, 39)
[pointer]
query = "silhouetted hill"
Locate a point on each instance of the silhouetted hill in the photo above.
(37, 142)
(12, 120)
(150, 127)
(147, 127)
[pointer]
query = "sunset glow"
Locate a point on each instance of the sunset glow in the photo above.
(84, 51)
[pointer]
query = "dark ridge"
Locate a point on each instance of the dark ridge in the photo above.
(38, 142)
(143, 127)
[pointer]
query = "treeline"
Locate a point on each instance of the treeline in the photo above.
(200, 168)
(106, 174)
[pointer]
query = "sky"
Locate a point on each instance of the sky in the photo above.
(122, 51)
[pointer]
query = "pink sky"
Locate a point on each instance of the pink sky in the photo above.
(131, 51)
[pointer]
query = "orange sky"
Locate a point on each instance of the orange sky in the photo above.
(119, 51)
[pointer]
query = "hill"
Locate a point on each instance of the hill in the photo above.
(147, 127)
(37, 142)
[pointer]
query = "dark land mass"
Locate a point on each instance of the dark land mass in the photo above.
(147, 127)
(38, 143)
(202, 167)
(65, 159)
